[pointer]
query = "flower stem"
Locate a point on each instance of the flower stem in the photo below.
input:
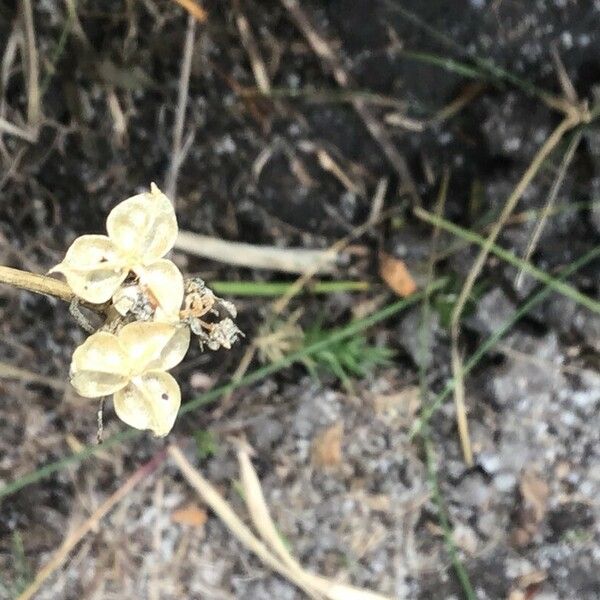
(41, 284)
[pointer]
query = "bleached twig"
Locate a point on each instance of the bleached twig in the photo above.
(287, 260)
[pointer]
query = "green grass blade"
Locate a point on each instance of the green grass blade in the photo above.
(448, 64)
(459, 568)
(512, 259)
(486, 346)
(335, 336)
(275, 288)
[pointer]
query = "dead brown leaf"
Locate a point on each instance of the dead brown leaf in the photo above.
(527, 585)
(327, 446)
(534, 493)
(191, 514)
(397, 276)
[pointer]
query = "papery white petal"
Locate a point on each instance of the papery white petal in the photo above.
(144, 227)
(165, 282)
(99, 366)
(151, 345)
(93, 268)
(150, 401)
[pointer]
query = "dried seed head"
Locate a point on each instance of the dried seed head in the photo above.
(223, 334)
(141, 230)
(131, 365)
(147, 331)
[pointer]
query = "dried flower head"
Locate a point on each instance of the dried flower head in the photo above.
(146, 331)
(141, 230)
(132, 365)
(200, 304)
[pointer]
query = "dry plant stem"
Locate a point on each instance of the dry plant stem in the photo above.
(572, 119)
(261, 518)
(560, 177)
(324, 51)
(61, 555)
(41, 284)
(448, 111)
(287, 260)
(12, 129)
(218, 505)
(33, 89)
(249, 42)
(194, 9)
(178, 150)
(9, 372)
(280, 561)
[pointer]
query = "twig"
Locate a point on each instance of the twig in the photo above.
(288, 260)
(324, 51)
(91, 523)
(177, 150)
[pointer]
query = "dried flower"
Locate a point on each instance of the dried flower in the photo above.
(201, 303)
(132, 365)
(141, 230)
(146, 331)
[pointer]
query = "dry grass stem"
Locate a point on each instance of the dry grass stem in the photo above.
(224, 511)
(32, 70)
(9, 372)
(271, 550)
(543, 217)
(574, 115)
(178, 149)
(12, 129)
(468, 95)
(249, 42)
(194, 9)
(334, 64)
(61, 555)
(329, 165)
(378, 200)
(261, 518)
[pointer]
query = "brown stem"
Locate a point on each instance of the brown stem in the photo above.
(41, 284)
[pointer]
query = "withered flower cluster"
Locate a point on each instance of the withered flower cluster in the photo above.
(151, 312)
